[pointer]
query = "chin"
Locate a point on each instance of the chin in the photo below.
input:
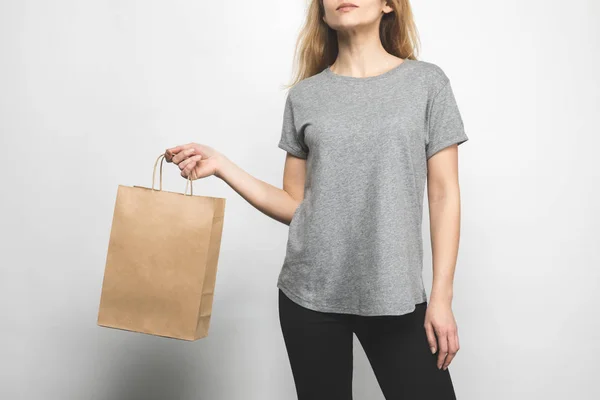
(344, 24)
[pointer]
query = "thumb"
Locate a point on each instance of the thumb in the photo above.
(431, 337)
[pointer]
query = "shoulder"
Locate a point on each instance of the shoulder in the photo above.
(307, 88)
(430, 75)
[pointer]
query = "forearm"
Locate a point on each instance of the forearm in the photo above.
(444, 216)
(270, 200)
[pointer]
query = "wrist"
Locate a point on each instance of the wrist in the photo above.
(221, 164)
(442, 294)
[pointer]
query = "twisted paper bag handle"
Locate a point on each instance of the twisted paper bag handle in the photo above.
(188, 180)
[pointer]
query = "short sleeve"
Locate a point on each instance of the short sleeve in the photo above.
(445, 125)
(291, 141)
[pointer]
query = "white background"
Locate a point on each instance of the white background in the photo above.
(91, 92)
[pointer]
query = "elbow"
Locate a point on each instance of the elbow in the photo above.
(441, 192)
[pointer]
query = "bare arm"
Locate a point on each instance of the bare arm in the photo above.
(201, 161)
(444, 215)
(279, 204)
(443, 193)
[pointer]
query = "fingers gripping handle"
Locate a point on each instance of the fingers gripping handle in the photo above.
(161, 158)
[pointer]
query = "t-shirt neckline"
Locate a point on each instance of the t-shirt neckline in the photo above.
(348, 78)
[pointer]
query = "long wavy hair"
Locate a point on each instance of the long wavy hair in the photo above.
(317, 46)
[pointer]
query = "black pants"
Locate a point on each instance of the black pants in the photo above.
(319, 346)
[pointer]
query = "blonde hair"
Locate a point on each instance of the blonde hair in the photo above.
(317, 47)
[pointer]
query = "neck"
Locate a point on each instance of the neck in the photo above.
(361, 54)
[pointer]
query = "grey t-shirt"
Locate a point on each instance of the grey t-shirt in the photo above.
(355, 241)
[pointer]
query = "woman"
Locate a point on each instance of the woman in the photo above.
(365, 125)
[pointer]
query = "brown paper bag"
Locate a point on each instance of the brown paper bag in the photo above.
(161, 265)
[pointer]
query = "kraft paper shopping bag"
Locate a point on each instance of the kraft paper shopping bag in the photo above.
(161, 263)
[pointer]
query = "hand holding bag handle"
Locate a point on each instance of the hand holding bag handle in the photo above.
(188, 180)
